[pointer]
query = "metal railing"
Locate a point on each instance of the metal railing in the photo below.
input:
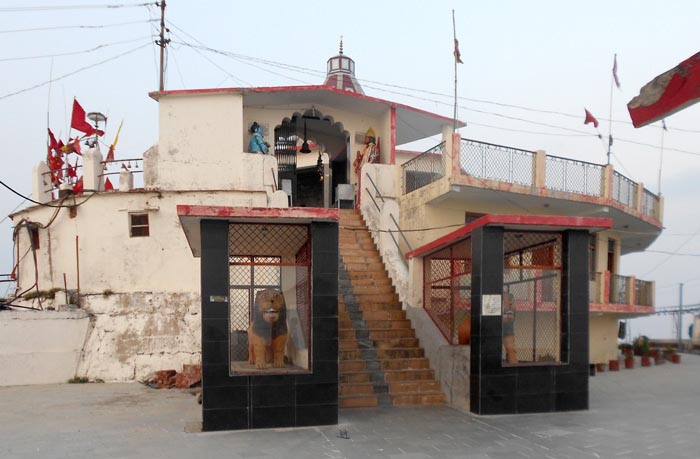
(624, 190)
(643, 293)
(128, 165)
(424, 169)
(619, 294)
(574, 176)
(650, 204)
(391, 216)
(496, 162)
(594, 286)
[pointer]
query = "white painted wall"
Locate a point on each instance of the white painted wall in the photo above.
(40, 347)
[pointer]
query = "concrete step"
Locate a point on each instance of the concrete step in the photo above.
(364, 388)
(376, 267)
(437, 398)
(358, 401)
(376, 297)
(362, 259)
(355, 377)
(409, 375)
(373, 289)
(370, 281)
(371, 325)
(384, 315)
(413, 387)
(360, 253)
(392, 333)
(406, 364)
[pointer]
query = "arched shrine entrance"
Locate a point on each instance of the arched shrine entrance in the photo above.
(312, 156)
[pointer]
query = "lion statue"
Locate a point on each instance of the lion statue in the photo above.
(267, 334)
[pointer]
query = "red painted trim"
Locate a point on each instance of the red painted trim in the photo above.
(621, 308)
(393, 136)
(511, 220)
(310, 213)
(277, 89)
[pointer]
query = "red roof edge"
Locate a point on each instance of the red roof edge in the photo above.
(511, 220)
(311, 213)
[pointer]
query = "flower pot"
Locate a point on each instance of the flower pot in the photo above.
(464, 332)
(646, 361)
(600, 367)
(614, 365)
(629, 362)
(659, 360)
(676, 358)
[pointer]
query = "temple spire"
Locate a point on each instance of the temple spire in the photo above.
(341, 45)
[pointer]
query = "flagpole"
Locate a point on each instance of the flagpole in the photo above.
(454, 34)
(610, 141)
(661, 155)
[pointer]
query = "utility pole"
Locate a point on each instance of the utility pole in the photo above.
(162, 42)
(680, 318)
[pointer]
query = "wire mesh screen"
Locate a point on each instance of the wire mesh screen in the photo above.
(532, 311)
(624, 190)
(447, 287)
(650, 204)
(269, 291)
(424, 169)
(643, 290)
(574, 176)
(496, 162)
(619, 293)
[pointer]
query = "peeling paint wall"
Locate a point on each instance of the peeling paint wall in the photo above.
(137, 333)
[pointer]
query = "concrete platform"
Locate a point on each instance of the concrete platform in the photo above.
(645, 412)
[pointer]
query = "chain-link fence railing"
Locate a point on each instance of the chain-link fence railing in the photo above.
(650, 204)
(619, 293)
(424, 169)
(497, 162)
(574, 176)
(624, 190)
(643, 293)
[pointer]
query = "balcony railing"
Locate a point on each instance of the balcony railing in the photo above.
(613, 289)
(522, 167)
(497, 162)
(424, 169)
(574, 176)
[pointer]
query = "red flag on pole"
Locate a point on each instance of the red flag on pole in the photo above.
(53, 145)
(617, 80)
(77, 120)
(458, 56)
(108, 185)
(668, 93)
(590, 119)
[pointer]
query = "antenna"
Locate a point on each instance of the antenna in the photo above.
(162, 42)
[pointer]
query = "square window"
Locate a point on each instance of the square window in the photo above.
(138, 225)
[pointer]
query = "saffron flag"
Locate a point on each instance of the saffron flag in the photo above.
(667, 94)
(77, 120)
(458, 56)
(617, 80)
(110, 153)
(590, 119)
(108, 185)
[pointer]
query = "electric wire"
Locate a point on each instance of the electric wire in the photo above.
(103, 26)
(60, 206)
(21, 9)
(66, 75)
(71, 53)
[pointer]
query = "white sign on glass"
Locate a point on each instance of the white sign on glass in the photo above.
(491, 305)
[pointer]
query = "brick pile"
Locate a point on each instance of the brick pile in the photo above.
(190, 376)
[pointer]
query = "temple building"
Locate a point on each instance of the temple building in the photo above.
(480, 275)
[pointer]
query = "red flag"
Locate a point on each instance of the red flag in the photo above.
(668, 93)
(77, 120)
(590, 119)
(617, 80)
(458, 55)
(78, 186)
(108, 185)
(53, 145)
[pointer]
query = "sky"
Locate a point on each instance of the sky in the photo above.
(529, 70)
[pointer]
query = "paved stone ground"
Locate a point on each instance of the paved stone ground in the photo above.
(645, 412)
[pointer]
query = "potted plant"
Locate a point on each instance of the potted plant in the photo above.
(657, 355)
(599, 367)
(628, 353)
(671, 354)
(641, 345)
(614, 365)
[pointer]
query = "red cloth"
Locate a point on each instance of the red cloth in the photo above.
(78, 186)
(53, 145)
(77, 120)
(590, 119)
(108, 185)
(668, 93)
(617, 80)
(458, 55)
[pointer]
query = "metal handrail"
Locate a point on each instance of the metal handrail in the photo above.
(393, 219)
(274, 179)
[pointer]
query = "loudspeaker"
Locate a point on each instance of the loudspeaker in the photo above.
(622, 330)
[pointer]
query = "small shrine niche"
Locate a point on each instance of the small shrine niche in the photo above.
(270, 298)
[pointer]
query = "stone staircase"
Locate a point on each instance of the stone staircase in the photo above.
(381, 361)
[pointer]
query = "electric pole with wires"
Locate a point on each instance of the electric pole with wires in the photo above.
(162, 42)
